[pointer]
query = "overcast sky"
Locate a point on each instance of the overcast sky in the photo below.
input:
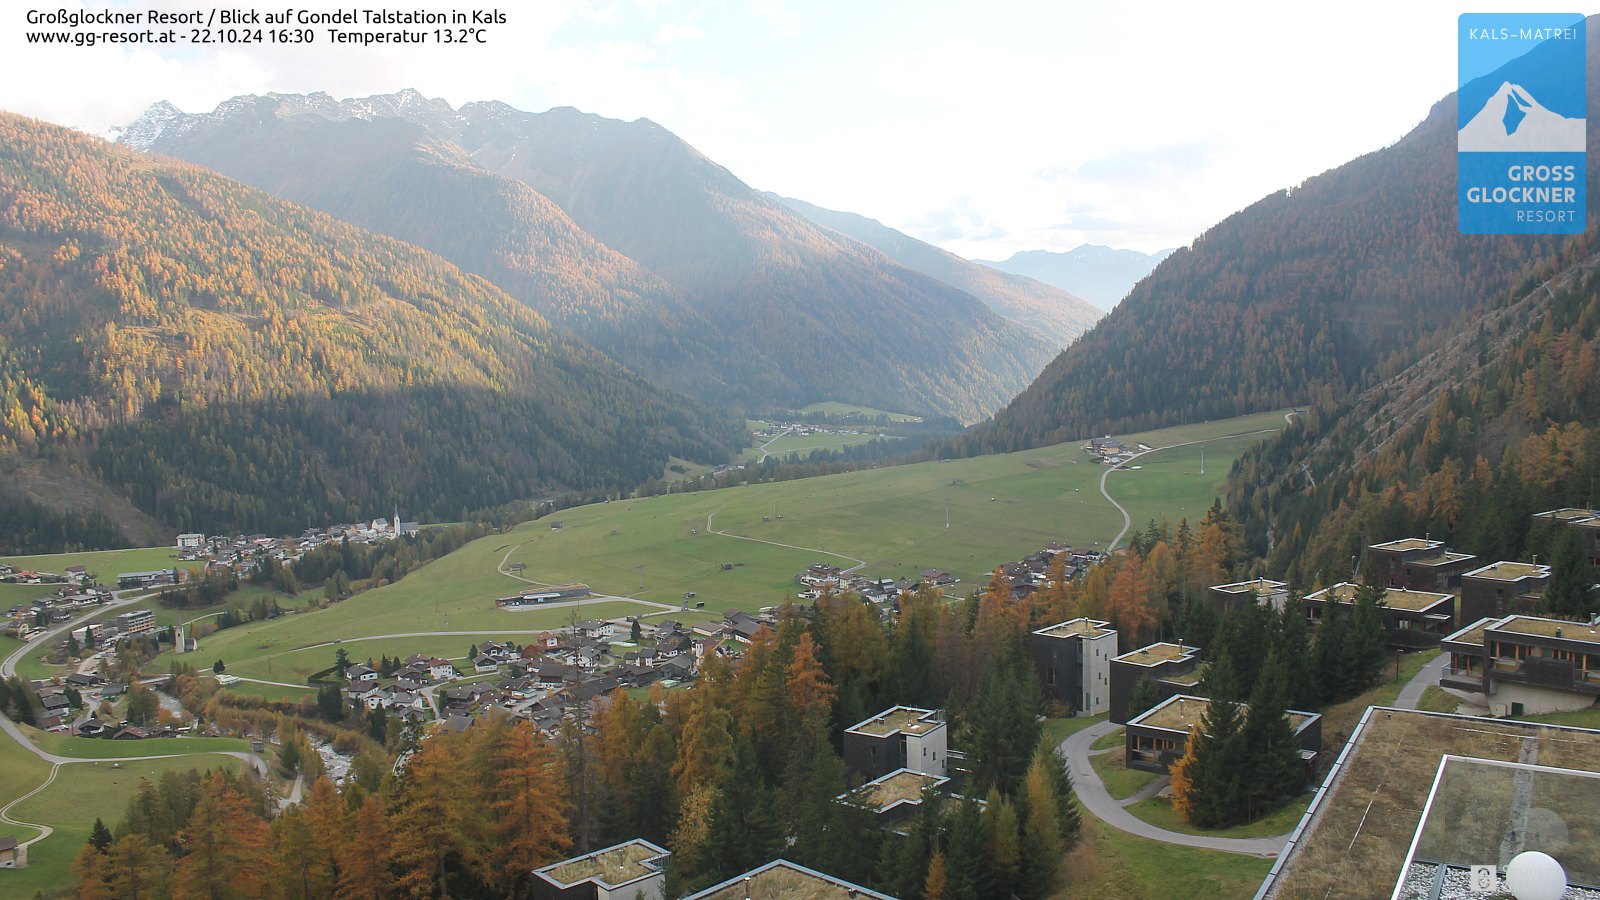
(985, 128)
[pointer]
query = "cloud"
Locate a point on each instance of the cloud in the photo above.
(957, 221)
(672, 32)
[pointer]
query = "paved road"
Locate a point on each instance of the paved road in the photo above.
(8, 668)
(1426, 677)
(1092, 794)
(1127, 520)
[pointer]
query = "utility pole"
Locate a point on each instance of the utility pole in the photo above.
(1202, 460)
(947, 512)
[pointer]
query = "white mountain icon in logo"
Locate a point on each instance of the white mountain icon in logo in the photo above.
(1513, 121)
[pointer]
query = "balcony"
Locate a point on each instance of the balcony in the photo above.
(1537, 671)
(1463, 679)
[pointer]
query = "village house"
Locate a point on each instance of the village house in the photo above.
(1418, 564)
(1172, 668)
(360, 672)
(900, 738)
(1156, 739)
(1073, 659)
(441, 669)
(1526, 665)
(1412, 620)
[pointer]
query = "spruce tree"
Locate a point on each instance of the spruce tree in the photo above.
(100, 836)
(1218, 777)
(1292, 641)
(1269, 754)
(966, 859)
(1368, 646)
(1144, 697)
(1572, 576)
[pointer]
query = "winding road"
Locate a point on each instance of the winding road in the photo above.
(1127, 520)
(8, 669)
(1077, 749)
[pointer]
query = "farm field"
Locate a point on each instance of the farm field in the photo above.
(890, 520)
(105, 564)
(835, 408)
(81, 793)
(801, 444)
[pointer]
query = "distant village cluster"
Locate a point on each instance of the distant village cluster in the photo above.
(543, 680)
(241, 552)
(1112, 452)
(1026, 576)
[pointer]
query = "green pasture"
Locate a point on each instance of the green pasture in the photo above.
(81, 793)
(104, 564)
(892, 519)
(835, 408)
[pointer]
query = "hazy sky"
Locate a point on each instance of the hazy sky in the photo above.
(983, 127)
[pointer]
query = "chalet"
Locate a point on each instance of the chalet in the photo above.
(1173, 668)
(484, 663)
(555, 674)
(1105, 446)
(92, 728)
(441, 669)
(740, 626)
(1587, 521)
(1418, 564)
(938, 578)
(8, 852)
(900, 738)
(54, 704)
(679, 667)
(133, 733)
(1240, 594)
(359, 672)
(1156, 738)
(82, 680)
(1412, 620)
(357, 691)
(497, 651)
(1525, 665)
(1502, 588)
(636, 869)
(594, 629)
(642, 658)
(783, 879)
(1073, 661)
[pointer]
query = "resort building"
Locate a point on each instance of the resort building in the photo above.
(1502, 588)
(1412, 620)
(900, 738)
(1419, 564)
(1525, 665)
(1173, 668)
(1156, 739)
(1074, 663)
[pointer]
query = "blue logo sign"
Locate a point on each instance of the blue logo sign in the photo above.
(1521, 128)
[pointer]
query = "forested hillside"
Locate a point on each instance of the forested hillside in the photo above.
(231, 361)
(1337, 284)
(626, 234)
(395, 176)
(1502, 422)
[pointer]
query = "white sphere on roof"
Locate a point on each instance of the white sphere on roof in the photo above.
(1536, 876)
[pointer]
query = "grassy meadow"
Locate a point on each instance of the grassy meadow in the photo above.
(892, 519)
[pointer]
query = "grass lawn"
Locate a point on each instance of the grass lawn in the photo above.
(96, 748)
(1437, 699)
(81, 793)
(800, 445)
(8, 645)
(270, 691)
(1121, 782)
(14, 594)
(1169, 484)
(1054, 731)
(1110, 863)
(1116, 738)
(30, 668)
(104, 564)
(1583, 718)
(1159, 812)
(20, 772)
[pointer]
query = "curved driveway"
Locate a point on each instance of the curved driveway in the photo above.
(1094, 797)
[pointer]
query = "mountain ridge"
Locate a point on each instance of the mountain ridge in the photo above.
(1100, 274)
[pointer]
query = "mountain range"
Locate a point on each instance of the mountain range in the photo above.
(639, 244)
(1100, 274)
(1055, 313)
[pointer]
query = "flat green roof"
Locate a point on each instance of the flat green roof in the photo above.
(1395, 598)
(906, 719)
(1082, 626)
(1506, 570)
